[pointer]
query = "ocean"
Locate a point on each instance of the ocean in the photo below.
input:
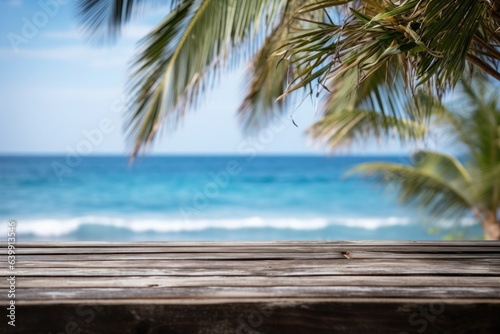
(186, 198)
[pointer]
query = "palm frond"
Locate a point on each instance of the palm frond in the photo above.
(343, 128)
(103, 20)
(475, 119)
(446, 165)
(185, 54)
(431, 40)
(267, 77)
(479, 114)
(373, 108)
(425, 185)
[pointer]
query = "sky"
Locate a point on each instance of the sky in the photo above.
(57, 90)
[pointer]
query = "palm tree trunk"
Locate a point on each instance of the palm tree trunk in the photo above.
(491, 227)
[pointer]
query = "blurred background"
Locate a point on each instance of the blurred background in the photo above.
(65, 172)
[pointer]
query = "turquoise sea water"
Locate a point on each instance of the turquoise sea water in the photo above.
(204, 198)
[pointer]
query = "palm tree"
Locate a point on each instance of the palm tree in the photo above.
(374, 54)
(186, 53)
(362, 54)
(441, 184)
(431, 40)
(374, 63)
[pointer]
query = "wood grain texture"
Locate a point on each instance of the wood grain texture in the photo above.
(256, 287)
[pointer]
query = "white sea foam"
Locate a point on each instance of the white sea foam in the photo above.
(371, 223)
(59, 227)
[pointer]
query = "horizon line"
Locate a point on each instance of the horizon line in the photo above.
(284, 154)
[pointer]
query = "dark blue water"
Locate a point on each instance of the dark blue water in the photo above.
(203, 198)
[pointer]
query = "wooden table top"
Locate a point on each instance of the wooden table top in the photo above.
(361, 278)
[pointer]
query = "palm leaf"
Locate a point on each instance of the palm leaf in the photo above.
(373, 108)
(103, 20)
(343, 128)
(479, 115)
(185, 54)
(440, 194)
(431, 41)
(267, 77)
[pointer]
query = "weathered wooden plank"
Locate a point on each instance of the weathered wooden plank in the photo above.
(265, 318)
(363, 283)
(198, 244)
(401, 269)
(269, 249)
(257, 292)
(484, 266)
(269, 267)
(166, 281)
(355, 254)
(193, 301)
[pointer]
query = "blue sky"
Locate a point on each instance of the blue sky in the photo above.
(56, 87)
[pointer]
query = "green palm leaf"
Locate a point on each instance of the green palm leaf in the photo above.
(430, 40)
(185, 54)
(374, 108)
(437, 183)
(343, 128)
(440, 183)
(268, 78)
(104, 19)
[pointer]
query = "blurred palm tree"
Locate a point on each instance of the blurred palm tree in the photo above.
(378, 55)
(359, 55)
(186, 53)
(441, 184)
